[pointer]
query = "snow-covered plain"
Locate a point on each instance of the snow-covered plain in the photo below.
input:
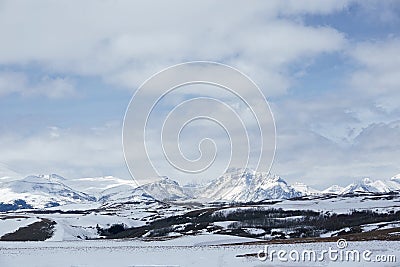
(83, 220)
(185, 251)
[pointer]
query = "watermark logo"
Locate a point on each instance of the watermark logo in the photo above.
(341, 243)
(340, 253)
(194, 121)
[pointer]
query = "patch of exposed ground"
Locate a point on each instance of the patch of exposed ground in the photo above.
(38, 231)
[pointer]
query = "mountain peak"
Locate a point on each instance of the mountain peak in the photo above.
(334, 189)
(44, 178)
(366, 180)
(305, 189)
(366, 185)
(165, 180)
(52, 176)
(275, 179)
(396, 178)
(239, 170)
(245, 185)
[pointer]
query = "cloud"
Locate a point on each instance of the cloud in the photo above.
(313, 7)
(19, 83)
(12, 82)
(379, 64)
(349, 132)
(376, 77)
(53, 87)
(70, 152)
(304, 155)
(132, 39)
(386, 12)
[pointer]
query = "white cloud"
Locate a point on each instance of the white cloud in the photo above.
(126, 42)
(384, 11)
(53, 87)
(306, 156)
(377, 77)
(70, 152)
(313, 7)
(12, 82)
(380, 55)
(347, 133)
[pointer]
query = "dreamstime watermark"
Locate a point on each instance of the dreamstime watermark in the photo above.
(340, 253)
(196, 120)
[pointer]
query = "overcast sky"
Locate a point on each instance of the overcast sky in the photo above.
(329, 69)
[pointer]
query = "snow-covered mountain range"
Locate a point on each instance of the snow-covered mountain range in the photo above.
(237, 185)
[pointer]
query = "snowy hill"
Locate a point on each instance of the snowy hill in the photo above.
(396, 179)
(334, 189)
(95, 186)
(305, 189)
(124, 193)
(366, 185)
(164, 189)
(41, 191)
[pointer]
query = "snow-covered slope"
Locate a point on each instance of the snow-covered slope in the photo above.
(396, 178)
(247, 185)
(164, 189)
(124, 193)
(41, 191)
(95, 186)
(334, 189)
(305, 189)
(366, 185)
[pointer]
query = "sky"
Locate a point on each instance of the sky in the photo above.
(329, 70)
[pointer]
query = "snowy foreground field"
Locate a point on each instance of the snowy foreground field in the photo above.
(160, 234)
(202, 250)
